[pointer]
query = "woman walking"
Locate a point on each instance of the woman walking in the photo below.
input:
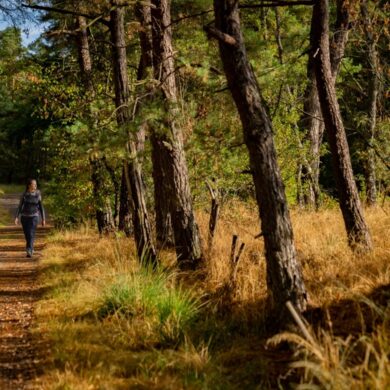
(29, 209)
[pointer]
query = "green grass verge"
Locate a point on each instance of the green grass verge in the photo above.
(11, 188)
(5, 216)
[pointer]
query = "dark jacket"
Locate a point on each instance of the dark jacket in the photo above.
(30, 205)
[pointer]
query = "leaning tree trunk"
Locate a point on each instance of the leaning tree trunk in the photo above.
(104, 218)
(357, 230)
(373, 92)
(284, 276)
(132, 168)
(311, 119)
(185, 229)
(164, 232)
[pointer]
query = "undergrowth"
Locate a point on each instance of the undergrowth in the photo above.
(113, 324)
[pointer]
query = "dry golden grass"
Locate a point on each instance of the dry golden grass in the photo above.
(331, 270)
(219, 350)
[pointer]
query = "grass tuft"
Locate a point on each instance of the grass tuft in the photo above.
(152, 295)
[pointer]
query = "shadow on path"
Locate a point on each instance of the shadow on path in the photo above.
(21, 353)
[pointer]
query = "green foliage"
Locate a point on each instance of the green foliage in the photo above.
(50, 126)
(21, 148)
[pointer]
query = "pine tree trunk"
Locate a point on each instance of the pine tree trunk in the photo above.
(142, 11)
(115, 183)
(357, 230)
(104, 219)
(312, 123)
(164, 232)
(132, 168)
(84, 56)
(185, 229)
(284, 276)
(311, 119)
(373, 92)
(125, 208)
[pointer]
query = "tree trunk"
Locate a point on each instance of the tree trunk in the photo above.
(115, 183)
(357, 230)
(340, 36)
(125, 213)
(373, 91)
(311, 120)
(84, 55)
(104, 218)
(132, 168)
(185, 229)
(144, 17)
(164, 232)
(125, 223)
(284, 277)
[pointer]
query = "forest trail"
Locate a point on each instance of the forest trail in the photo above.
(21, 353)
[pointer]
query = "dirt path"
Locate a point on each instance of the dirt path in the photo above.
(21, 354)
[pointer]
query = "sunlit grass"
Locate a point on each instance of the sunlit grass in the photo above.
(113, 324)
(11, 188)
(5, 215)
(327, 361)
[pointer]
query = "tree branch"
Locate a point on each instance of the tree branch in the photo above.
(67, 12)
(275, 3)
(215, 33)
(191, 16)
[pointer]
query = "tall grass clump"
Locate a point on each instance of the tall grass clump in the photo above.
(356, 361)
(152, 295)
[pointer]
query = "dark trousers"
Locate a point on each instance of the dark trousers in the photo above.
(29, 227)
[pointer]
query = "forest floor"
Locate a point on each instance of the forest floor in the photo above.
(22, 354)
(112, 324)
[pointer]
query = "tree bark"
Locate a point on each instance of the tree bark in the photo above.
(164, 232)
(185, 229)
(104, 218)
(116, 186)
(132, 168)
(284, 277)
(311, 120)
(125, 213)
(84, 55)
(373, 92)
(357, 230)
(309, 193)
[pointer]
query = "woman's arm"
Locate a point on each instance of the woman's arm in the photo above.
(41, 210)
(19, 209)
